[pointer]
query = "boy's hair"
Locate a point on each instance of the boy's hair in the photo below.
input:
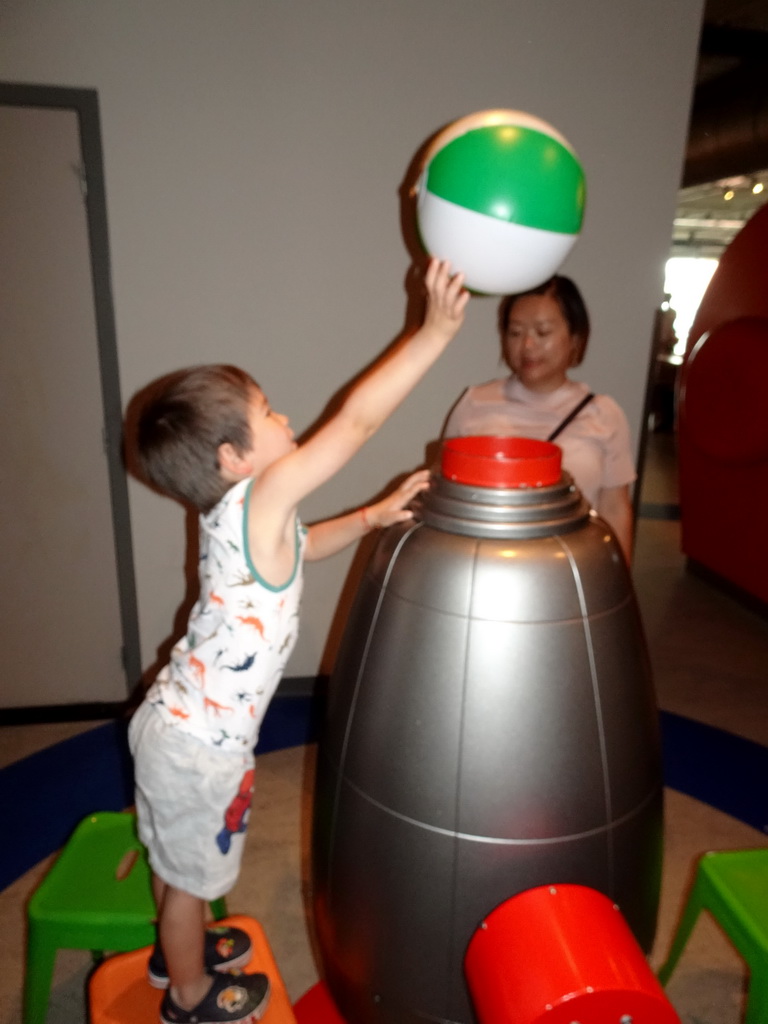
(571, 302)
(188, 414)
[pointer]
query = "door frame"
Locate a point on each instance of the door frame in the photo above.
(85, 104)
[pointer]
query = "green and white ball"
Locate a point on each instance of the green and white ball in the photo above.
(502, 197)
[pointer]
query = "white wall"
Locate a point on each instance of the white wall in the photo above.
(253, 155)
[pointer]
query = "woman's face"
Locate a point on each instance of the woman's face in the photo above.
(538, 345)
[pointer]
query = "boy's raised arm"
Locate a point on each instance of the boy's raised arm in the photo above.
(393, 376)
(374, 397)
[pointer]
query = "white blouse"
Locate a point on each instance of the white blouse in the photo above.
(596, 444)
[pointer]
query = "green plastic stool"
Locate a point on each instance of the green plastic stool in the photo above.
(733, 886)
(97, 896)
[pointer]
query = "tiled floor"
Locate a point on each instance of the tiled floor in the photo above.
(709, 657)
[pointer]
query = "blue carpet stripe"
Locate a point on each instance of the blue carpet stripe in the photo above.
(44, 796)
(716, 767)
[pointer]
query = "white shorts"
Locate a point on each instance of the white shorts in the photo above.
(192, 805)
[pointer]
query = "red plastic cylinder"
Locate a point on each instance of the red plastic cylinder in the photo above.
(562, 954)
(317, 1007)
(501, 462)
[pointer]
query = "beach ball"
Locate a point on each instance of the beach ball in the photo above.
(501, 195)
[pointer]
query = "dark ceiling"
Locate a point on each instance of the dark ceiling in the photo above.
(727, 150)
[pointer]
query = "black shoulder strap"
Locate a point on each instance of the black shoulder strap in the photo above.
(571, 416)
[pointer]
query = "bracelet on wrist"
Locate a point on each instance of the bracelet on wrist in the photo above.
(366, 521)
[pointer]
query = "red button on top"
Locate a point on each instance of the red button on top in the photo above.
(502, 462)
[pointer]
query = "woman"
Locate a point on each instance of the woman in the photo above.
(544, 332)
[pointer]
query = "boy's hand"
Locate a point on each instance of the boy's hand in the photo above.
(446, 300)
(392, 508)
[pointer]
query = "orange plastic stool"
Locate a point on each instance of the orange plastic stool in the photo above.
(119, 993)
(317, 1007)
(560, 954)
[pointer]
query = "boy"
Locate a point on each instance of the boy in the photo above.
(209, 437)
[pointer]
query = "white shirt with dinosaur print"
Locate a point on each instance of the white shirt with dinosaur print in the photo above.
(222, 675)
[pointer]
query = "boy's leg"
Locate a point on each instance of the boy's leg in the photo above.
(225, 948)
(193, 994)
(181, 930)
(158, 891)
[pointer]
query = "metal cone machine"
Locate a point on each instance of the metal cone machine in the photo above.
(492, 729)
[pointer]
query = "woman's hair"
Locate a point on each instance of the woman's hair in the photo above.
(571, 303)
(186, 416)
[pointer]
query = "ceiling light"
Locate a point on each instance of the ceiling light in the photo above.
(728, 194)
(758, 187)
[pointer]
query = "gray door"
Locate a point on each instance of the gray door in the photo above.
(62, 630)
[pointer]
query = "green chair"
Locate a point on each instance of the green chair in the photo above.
(733, 886)
(97, 896)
